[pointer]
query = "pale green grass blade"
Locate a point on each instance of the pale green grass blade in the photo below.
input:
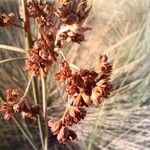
(11, 59)
(11, 48)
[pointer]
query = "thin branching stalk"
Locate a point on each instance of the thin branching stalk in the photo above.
(74, 66)
(26, 90)
(44, 111)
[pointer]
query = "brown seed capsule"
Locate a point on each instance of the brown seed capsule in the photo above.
(63, 135)
(55, 126)
(73, 115)
(64, 71)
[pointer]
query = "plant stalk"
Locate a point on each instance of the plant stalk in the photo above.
(28, 44)
(43, 79)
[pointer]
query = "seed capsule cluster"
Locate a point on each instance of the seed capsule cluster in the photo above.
(84, 88)
(59, 22)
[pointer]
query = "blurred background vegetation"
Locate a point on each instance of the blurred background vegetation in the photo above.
(120, 29)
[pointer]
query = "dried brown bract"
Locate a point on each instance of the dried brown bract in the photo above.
(55, 125)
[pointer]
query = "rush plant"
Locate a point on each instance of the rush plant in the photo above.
(58, 23)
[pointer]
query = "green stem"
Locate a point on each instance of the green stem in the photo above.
(37, 101)
(24, 131)
(28, 44)
(44, 111)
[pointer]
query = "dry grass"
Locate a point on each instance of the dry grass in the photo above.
(121, 28)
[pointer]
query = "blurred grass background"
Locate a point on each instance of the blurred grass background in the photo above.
(121, 29)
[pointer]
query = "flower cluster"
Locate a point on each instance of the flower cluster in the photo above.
(14, 104)
(57, 22)
(84, 87)
(7, 19)
(41, 56)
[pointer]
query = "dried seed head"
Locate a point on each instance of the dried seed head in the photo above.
(76, 8)
(12, 94)
(90, 86)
